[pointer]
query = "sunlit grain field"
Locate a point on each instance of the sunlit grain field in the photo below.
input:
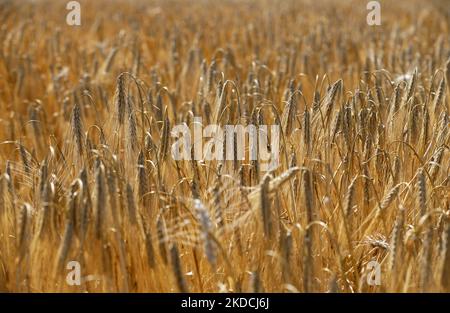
(87, 174)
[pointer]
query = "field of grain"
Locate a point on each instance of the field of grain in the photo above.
(87, 174)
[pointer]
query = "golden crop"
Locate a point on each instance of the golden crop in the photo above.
(87, 175)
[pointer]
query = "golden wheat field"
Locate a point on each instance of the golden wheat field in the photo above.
(88, 176)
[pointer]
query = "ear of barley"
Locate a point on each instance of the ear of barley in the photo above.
(438, 99)
(67, 239)
(336, 125)
(396, 243)
(349, 197)
(389, 197)
(164, 138)
(447, 73)
(331, 98)
(425, 271)
(77, 128)
(177, 270)
(112, 194)
(43, 174)
(148, 243)
(396, 99)
(442, 136)
(204, 220)
(435, 163)
(45, 226)
(308, 195)
(286, 242)
(24, 157)
(101, 199)
(121, 99)
(86, 205)
(424, 136)
(11, 190)
(211, 76)
(23, 230)
(256, 282)
(308, 271)
(288, 115)
(162, 237)
(412, 85)
(265, 207)
(421, 192)
(307, 131)
(217, 193)
(131, 205)
(142, 179)
(132, 125)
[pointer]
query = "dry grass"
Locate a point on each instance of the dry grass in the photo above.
(87, 174)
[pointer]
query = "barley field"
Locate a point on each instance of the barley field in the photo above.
(87, 174)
